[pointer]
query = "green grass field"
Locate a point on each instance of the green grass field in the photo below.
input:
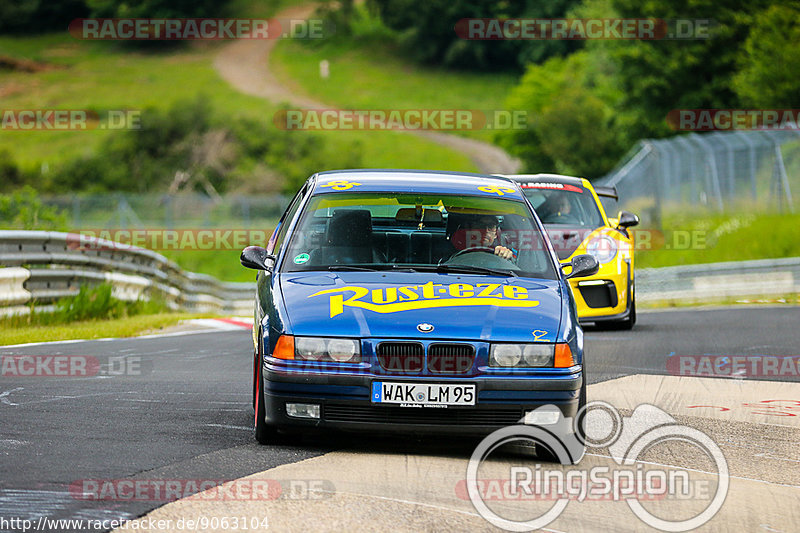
(222, 264)
(102, 76)
(719, 238)
(365, 74)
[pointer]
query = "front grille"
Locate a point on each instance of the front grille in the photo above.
(401, 356)
(450, 358)
(423, 416)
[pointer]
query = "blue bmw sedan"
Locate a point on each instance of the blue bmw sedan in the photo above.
(415, 302)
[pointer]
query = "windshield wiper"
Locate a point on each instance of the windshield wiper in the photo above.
(463, 269)
(402, 268)
(470, 269)
(351, 268)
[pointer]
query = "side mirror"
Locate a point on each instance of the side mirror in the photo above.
(582, 265)
(627, 219)
(257, 258)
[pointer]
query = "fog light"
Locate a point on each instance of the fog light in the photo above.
(541, 418)
(302, 410)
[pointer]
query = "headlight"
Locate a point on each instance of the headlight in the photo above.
(342, 350)
(538, 354)
(310, 348)
(521, 355)
(604, 249)
(327, 349)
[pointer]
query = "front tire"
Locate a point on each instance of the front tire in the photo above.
(627, 323)
(265, 434)
(546, 454)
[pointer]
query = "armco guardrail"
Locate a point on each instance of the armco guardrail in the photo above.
(44, 266)
(715, 281)
(55, 267)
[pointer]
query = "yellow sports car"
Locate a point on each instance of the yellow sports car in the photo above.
(577, 224)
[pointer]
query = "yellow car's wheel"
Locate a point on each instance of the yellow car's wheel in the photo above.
(627, 323)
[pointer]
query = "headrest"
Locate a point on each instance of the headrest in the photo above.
(350, 227)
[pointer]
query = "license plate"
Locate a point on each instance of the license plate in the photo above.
(422, 393)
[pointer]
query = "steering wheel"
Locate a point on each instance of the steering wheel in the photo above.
(486, 249)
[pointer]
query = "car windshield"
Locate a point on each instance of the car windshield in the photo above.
(418, 232)
(564, 204)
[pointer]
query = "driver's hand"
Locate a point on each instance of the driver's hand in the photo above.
(503, 252)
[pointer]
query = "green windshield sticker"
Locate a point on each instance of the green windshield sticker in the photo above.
(302, 258)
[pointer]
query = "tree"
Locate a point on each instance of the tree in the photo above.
(156, 9)
(770, 59)
(39, 16)
(572, 119)
(657, 76)
(427, 31)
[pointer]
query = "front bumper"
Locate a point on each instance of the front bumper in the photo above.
(345, 402)
(604, 297)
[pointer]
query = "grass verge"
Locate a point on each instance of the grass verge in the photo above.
(786, 299)
(90, 329)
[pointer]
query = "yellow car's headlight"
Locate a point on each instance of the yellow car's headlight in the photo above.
(603, 248)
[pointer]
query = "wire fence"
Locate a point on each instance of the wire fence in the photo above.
(723, 171)
(185, 210)
(719, 171)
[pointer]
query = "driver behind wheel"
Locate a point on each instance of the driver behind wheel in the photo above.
(557, 209)
(481, 231)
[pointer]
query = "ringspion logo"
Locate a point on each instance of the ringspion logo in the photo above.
(596, 425)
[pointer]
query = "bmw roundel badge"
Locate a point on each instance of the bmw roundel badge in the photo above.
(425, 327)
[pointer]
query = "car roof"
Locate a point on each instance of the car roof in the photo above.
(417, 181)
(547, 178)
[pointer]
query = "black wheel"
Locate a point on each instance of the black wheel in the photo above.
(265, 434)
(627, 323)
(546, 454)
(255, 376)
(581, 423)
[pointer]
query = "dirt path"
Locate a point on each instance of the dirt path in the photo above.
(245, 65)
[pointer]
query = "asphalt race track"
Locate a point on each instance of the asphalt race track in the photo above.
(178, 408)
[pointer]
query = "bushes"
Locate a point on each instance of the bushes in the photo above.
(190, 147)
(24, 210)
(91, 303)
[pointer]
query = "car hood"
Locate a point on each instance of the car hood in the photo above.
(394, 304)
